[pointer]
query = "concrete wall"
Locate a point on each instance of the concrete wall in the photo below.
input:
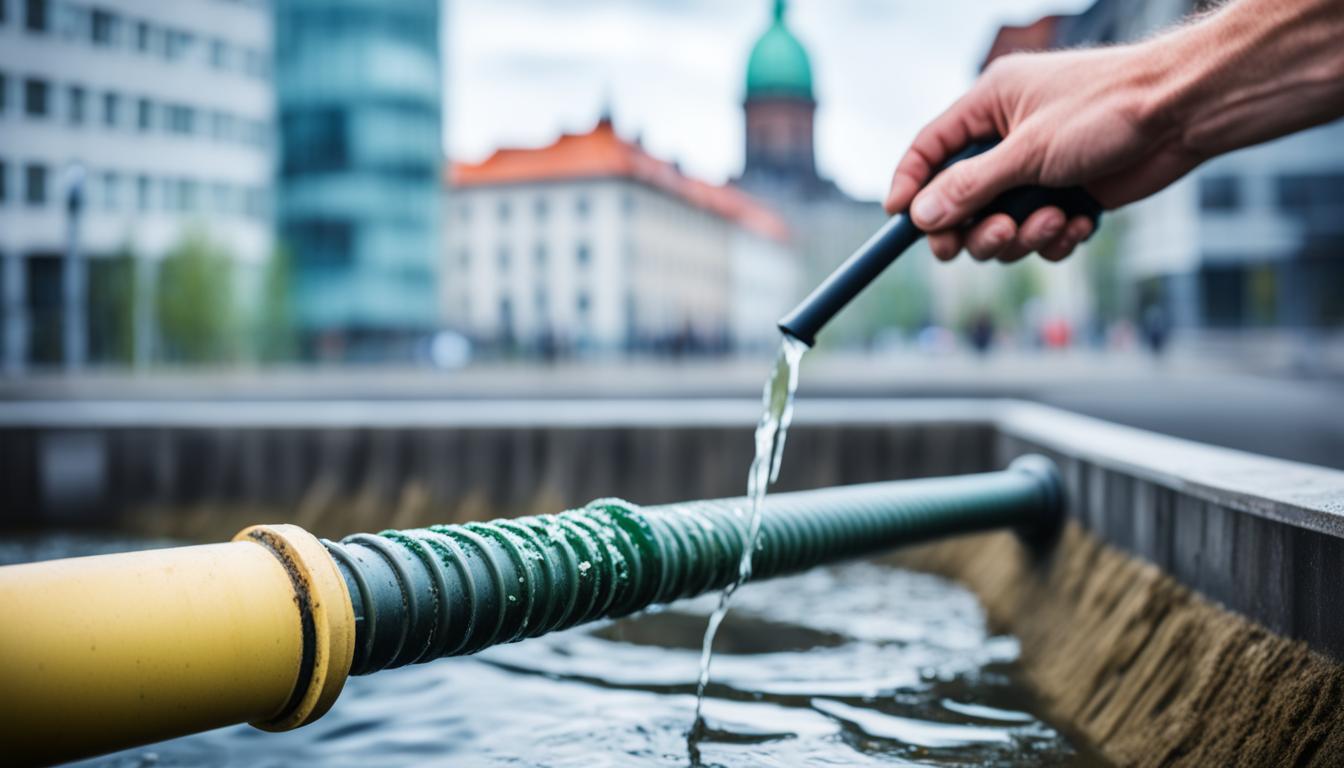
(110, 464)
(1263, 537)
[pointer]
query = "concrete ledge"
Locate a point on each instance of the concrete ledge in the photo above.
(1261, 536)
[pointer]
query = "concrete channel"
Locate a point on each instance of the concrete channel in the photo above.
(1191, 611)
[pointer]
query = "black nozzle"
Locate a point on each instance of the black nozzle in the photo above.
(899, 233)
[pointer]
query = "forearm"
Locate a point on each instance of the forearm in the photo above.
(1249, 72)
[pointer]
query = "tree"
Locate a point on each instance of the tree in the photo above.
(1020, 284)
(898, 299)
(273, 329)
(195, 302)
(112, 297)
(1102, 267)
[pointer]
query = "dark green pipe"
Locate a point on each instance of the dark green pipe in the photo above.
(455, 589)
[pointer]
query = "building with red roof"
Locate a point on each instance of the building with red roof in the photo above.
(593, 242)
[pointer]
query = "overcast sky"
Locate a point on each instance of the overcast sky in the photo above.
(522, 71)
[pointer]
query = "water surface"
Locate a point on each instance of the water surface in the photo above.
(854, 665)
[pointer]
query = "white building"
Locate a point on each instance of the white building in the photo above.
(169, 108)
(591, 242)
(1253, 239)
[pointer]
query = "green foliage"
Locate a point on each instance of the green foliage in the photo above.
(273, 329)
(899, 298)
(195, 302)
(112, 297)
(1020, 283)
(1101, 264)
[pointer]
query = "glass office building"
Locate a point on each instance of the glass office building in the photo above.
(359, 95)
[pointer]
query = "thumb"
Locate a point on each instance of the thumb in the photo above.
(963, 188)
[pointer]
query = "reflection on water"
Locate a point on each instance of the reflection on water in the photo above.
(857, 665)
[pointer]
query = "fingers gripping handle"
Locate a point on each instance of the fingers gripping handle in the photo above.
(899, 233)
(1021, 202)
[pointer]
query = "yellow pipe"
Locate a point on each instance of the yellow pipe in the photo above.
(120, 650)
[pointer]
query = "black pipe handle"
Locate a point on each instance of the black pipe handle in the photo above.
(899, 233)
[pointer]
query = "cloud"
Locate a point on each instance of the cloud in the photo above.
(522, 71)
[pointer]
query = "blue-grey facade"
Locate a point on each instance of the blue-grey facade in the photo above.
(359, 93)
(1251, 240)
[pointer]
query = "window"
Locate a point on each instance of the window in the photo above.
(35, 97)
(464, 213)
(220, 125)
(584, 304)
(583, 255)
(35, 184)
(313, 140)
(142, 37)
(101, 27)
(322, 243)
(76, 112)
(219, 54)
(180, 119)
(111, 191)
(176, 45)
(540, 256)
(1222, 294)
(464, 258)
(260, 136)
(111, 106)
(503, 258)
(256, 203)
(541, 208)
(4, 181)
(1299, 193)
(4, 92)
(191, 192)
(144, 114)
(254, 64)
(628, 203)
(581, 206)
(504, 211)
(1219, 193)
(142, 193)
(35, 15)
(221, 198)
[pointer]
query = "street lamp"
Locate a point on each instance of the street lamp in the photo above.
(76, 282)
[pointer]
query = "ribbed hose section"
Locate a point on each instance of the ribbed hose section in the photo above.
(449, 590)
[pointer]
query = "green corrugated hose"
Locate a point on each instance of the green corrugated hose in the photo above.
(455, 589)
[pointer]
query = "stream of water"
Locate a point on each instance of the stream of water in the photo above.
(771, 432)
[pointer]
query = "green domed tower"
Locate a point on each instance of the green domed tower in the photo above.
(779, 108)
(779, 67)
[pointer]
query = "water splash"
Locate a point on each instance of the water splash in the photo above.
(771, 431)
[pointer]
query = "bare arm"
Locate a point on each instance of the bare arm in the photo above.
(1123, 121)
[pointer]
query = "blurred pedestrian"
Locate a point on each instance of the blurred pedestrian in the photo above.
(981, 333)
(1156, 328)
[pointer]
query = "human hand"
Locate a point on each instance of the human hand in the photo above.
(1067, 118)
